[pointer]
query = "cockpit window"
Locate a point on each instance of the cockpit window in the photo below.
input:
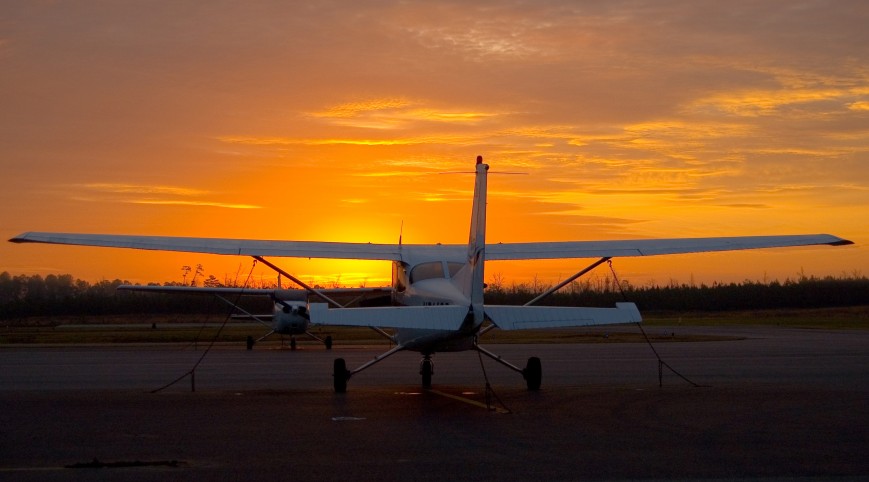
(454, 268)
(425, 271)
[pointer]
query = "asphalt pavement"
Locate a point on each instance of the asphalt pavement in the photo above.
(778, 404)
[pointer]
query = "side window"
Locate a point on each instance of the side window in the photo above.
(399, 277)
(454, 268)
(425, 271)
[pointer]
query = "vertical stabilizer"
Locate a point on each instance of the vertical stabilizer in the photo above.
(469, 279)
(477, 241)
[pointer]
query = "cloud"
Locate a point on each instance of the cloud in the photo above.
(161, 195)
(192, 203)
(120, 188)
(452, 139)
(391, 173)
(862, 105)
(353, 109)
(392, 113)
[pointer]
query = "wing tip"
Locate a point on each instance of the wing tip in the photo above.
(834, 240)
(21, 238)
(842, 242)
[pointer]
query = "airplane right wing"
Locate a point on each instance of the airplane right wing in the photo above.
(651, 247)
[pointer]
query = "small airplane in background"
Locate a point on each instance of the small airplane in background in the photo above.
(436, 300)
(290, 311)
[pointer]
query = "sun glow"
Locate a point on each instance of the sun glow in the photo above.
(711, 126)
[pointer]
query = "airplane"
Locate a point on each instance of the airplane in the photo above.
(436, 299)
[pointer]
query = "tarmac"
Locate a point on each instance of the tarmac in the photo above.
(778, 404)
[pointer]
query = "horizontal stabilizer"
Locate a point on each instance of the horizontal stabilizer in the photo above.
(534, 317)
(414, 317)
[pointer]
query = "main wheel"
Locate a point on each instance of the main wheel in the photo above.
(339, 375)
(426, 369)
(533, 373)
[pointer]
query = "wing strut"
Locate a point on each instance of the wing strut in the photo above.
(245, 312)
(376, 359)
(298, 282)
(568, 280)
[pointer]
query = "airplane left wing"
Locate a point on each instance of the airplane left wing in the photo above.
(200, 290)
(279, 293)
(246, 247)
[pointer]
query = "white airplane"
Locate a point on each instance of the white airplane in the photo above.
(437, 292)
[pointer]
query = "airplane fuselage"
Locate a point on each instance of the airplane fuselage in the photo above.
(433, 283)
(423, 283)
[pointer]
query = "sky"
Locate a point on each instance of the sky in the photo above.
(349, 120)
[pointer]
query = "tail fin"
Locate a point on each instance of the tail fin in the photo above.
(469, 279)
(477, 241)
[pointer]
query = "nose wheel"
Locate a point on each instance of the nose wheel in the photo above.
(426, 369)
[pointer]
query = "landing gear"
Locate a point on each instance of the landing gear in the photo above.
(340, 375)
(426, 369)
(533, 373)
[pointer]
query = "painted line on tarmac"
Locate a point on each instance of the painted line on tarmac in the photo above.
(468, 401)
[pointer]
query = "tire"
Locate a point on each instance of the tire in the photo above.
(426, 369)
(533, 373)
(339, 375)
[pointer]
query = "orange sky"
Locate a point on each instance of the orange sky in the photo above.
(332, 120)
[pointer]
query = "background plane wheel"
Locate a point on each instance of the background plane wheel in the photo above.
(426, 369)
(339, 375)
(533, 373)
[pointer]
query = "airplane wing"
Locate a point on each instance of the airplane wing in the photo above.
(393, 252)
(246, 247)
(200, 290)
(651, 247)
(280, 293)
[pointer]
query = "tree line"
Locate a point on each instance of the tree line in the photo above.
(63, 295)
(803, 292)
(24, 296)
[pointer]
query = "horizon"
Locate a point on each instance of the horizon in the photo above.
(594, 280)
(331, 122)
